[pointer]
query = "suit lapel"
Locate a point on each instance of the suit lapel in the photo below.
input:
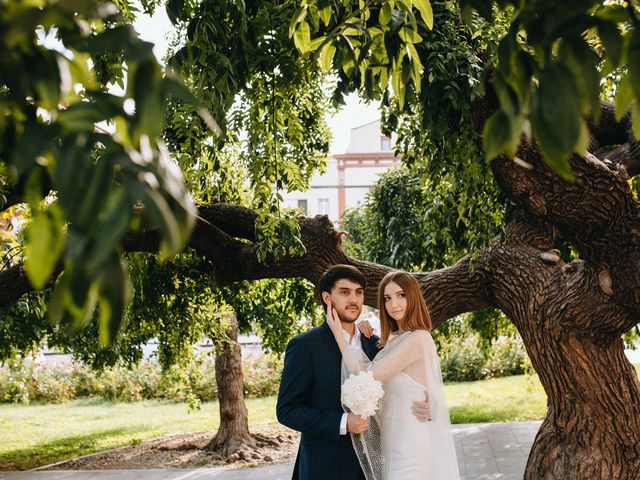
(327, 337)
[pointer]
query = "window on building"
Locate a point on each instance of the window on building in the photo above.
(323, 206)
(302, 205)
(385, 143)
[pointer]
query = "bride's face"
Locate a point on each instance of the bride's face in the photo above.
(395, 301)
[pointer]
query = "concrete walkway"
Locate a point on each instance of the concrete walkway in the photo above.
(486, 451)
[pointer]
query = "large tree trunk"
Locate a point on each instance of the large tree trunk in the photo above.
(592, 427)
(568, 318)
(234, 424)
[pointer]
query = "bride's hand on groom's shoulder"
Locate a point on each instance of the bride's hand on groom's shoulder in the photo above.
(365, 328)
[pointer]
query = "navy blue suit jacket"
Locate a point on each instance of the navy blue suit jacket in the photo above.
(309, 402)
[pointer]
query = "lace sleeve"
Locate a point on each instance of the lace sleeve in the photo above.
(392, 360)
(398, 355)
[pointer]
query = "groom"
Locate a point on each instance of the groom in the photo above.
(309, 396)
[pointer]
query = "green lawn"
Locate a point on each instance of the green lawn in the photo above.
(34, 435)
(508, 399)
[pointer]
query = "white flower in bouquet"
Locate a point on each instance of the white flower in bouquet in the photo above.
(361, 392)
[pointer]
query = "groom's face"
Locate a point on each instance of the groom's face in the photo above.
(346, 298)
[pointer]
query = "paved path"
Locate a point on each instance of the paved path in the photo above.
(486, 451)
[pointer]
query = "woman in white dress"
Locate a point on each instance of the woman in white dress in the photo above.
(396, 446)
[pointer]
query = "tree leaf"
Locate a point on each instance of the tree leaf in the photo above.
(633, 60)
(175, 10)
(497, 135)
(297, 18)
(302, 37)
(624, 96)
(115, 294)
(325, 14)
(555, 116)
(612, 41)
(158, 213)
(424, 7)
(326, 56)
(113, 224)
(45, 240)
(385, 13)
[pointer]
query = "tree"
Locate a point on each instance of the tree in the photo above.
(519, 80)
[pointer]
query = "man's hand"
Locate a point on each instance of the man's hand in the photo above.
(356, 424)
(365, 328)
(421, 410)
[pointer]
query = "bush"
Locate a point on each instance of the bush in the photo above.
(26, 380)
(507, 357)
(462, 359)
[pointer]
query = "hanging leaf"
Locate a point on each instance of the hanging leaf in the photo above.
(624, 96)
(326, 56)
(633, 60)
(424, 7)
(302, 37)
(555, 116)
(612, 41)
(496, 135)
(115, 295)
(45, 240)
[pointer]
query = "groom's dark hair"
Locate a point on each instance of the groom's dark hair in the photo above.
(335, 273)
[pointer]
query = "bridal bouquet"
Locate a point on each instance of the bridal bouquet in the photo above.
(361, 392)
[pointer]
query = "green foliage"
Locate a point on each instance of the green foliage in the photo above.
(548, 71)
(24, 325)
(414, 223)
(463, 360)
(23, 380)
(178, 303)
(242, 65)
(56, 59)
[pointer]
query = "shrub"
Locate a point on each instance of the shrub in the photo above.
(506, 357)
(462, 360)
(25, 381)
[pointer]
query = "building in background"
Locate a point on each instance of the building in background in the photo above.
(349, 176)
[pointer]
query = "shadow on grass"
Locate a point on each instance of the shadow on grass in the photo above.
(63, 448)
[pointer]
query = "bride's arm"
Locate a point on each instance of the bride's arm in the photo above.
(400, 357)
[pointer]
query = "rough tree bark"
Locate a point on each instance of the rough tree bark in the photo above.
(570, 316)
(234, 424)
(233, 439)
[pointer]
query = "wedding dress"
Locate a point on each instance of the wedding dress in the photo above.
(396, 446)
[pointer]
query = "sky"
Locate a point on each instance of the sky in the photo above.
(156, 30)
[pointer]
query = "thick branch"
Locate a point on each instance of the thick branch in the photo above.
(449, 291)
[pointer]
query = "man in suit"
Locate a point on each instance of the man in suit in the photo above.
(309, 396)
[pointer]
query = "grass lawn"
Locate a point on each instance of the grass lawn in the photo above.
(34, 435)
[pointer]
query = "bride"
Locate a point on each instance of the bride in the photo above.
(396, 446)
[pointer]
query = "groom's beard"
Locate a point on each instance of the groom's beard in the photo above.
(343, 317)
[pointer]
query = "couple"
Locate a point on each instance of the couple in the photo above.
(407, 438)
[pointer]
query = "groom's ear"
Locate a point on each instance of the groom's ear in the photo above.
(326, 297)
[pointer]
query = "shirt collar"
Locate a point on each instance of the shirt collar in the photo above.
(356, 336)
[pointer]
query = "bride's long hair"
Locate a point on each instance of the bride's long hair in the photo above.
(416, 316)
